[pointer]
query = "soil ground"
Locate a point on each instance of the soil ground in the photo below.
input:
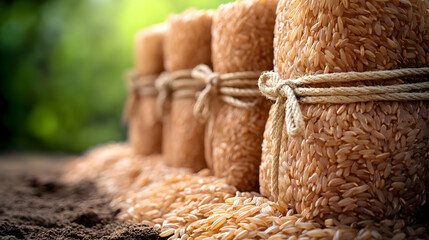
(35, 205)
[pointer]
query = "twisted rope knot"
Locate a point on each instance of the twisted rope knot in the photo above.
(295, 124)
(287, 95)
(137, 86)
(206, 97)
(229, 88)
(178, 84)
(205, 74)
(283, 89)
(163, 82)
(163, 85)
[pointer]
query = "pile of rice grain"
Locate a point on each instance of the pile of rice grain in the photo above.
(187, 45)
(254, 217)
(361, 161)
(174, 196)
(198, 206)
(117, 170)
(242, 41)
(145, 131)
(96, 162)
(183, 205)
(135, 172)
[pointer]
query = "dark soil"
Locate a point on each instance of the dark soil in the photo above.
(35, 205)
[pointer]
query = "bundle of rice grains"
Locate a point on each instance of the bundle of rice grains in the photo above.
(354, 162)
(145, 131)
(187, 45)
(242, 42)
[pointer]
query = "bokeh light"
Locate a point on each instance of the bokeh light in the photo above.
(62, 66)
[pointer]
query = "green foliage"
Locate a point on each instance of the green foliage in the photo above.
(62, 66)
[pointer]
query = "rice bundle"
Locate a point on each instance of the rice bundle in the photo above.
(187, 45)
(356, 161)
(145, 131)
(242, 41)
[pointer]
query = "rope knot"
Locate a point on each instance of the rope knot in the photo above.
(137, 86)
(163, 85)
(283, 92)
(204, 101)
(284, 89)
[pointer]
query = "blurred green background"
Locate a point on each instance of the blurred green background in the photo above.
(62, 65)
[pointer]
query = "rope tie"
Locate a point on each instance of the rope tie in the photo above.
(288, 94)
(204, 101)
(163, 85)
(178, 84)
(138, 86)
(227, 87)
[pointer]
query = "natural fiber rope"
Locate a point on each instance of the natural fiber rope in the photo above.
(288, 94)
(227, 88)
(178, 84)
(138, 86)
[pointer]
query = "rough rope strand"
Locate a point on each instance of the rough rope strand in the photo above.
(276, 135)
(361, 76)
(355, 91)
(294, 120)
